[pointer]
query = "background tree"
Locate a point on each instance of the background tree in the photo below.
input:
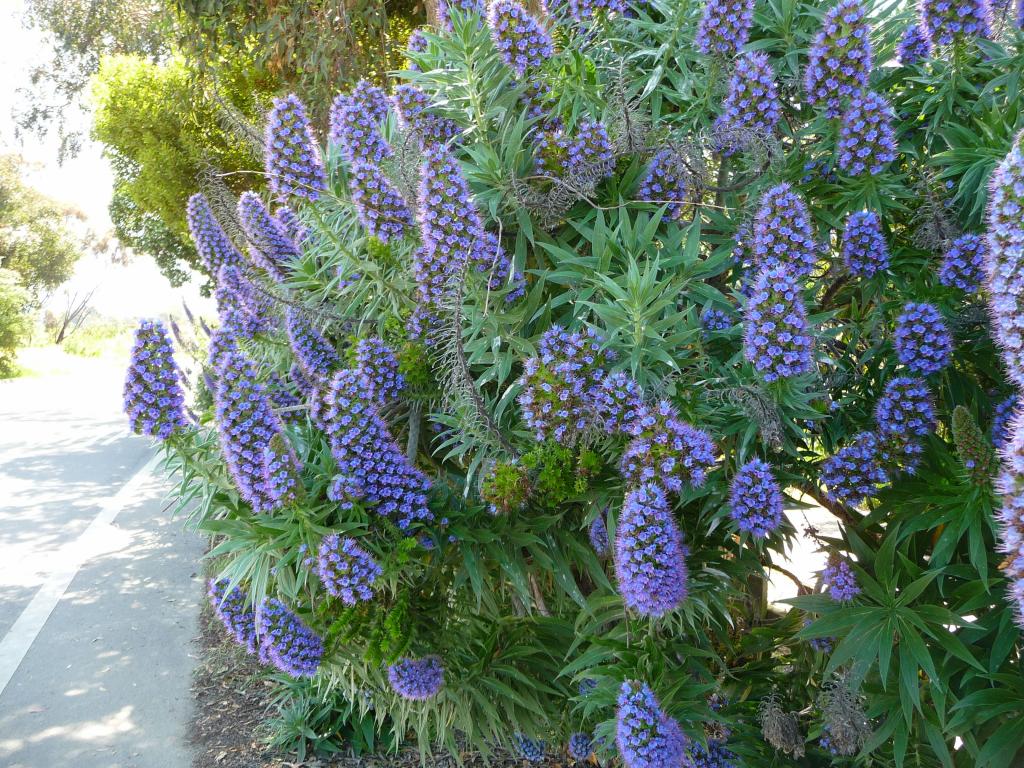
(36, 238)
(162, 128)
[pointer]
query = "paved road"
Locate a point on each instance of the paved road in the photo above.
(98, 588)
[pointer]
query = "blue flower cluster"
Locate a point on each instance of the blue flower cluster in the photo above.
(1004, 413)
(581, 10)
(372, 466)
(214, 247)
(840, 580)
(412, 106)
(619, 403)
(867, 142)
(666, 180)
(464, 6)
(667, 451)
(923, 343)
(963, 264)
(153, 399)
(598, 535)
(588, 156)
(752, 101)
(904, 414)
(561, 384)
(755, 499)
(246, 422)
(581, 746)
(531, 750)
(346, 569)
(417, 679)
(451, 228)
(240, 305)
(864, 250)
(645, 735)
(377, 362)
(379, 205)
(949, 21)
(650, 564)
(292, 225)
(1005, 267)
(820, 644)
(286, 642)
(417, 43)
(281, 472)
(855, 471)
(840, 57)
(292, 157)
(1010, 517)
(775, 338)
(715, 755)
(355, 126)
(914, 45)
(713, 320)
(231, 607)
(521, 39)
(315, 355)
(783, 234)
(724, 27)
(270, 245)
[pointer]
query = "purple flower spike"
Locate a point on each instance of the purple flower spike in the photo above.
(270, 245)
(372, 467)
(650, 566)
(377, 362)
(755, 499)
(1001, 419)
(287, 643)
(379, 206)
(153, 399)
(842, 584)
(463, 6)
(292, 157)
(417, 679)
(903, 415)
(1004, 268)
(521, 39)
(667, 451)
(666, 180)
(561, 385)
(855, 472)
(212, 243)
(231, 607)
(413, 107)
(775, 338)
(531, 750)
(645, 735)
(316, 356)
(354, 128)
(583, 10)
(922, 341)
(724, 27)
(581, 746)
(752, 102)
(867, 142)
(713, 320)
(346, 569)
(914, 46)
(864, 250)
(963, 264)
(246, 423)
(783, 234)
(598, 534)
(951, 21)
(619, 403)
(1011, 517)
(840, 57)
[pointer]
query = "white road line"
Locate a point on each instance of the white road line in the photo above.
(68, 560)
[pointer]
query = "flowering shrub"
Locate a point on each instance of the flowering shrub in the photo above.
(511, 413)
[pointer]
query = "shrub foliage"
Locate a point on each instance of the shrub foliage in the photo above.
(523, 379)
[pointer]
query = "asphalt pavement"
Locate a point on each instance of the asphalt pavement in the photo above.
(99, 588)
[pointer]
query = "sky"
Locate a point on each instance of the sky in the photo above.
(85, 182)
